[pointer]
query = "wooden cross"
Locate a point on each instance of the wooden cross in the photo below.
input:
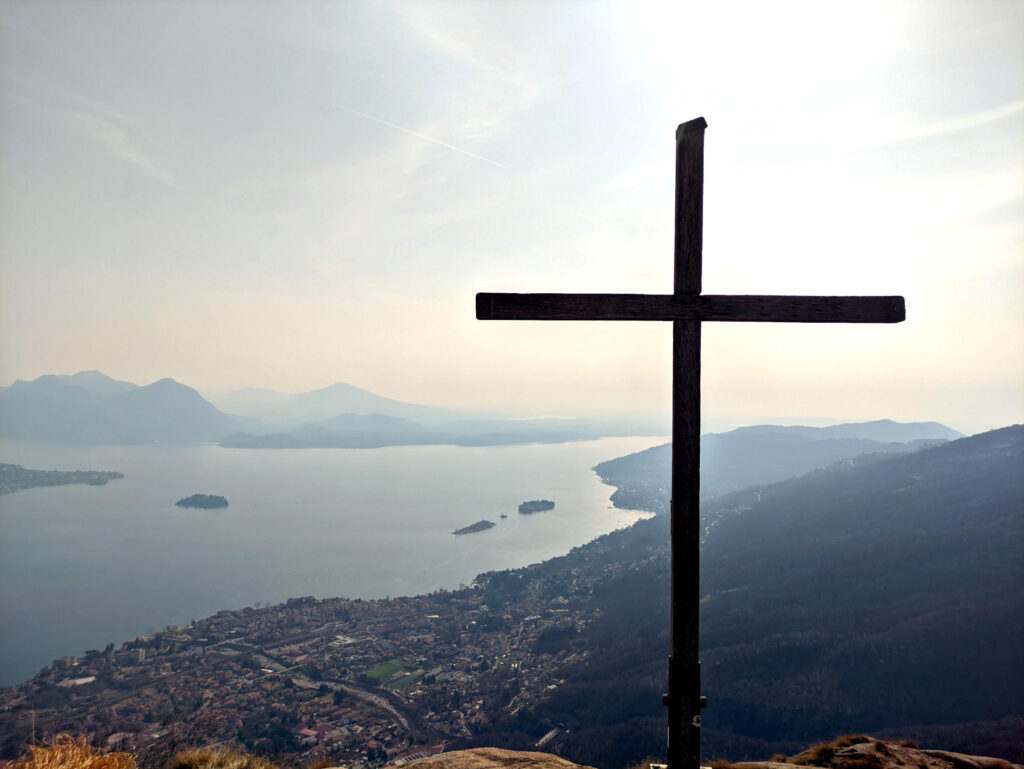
(686, 307)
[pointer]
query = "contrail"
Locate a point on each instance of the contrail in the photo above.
(417, 135)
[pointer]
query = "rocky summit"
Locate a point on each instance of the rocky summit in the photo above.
(493, 758)
(851, 752)
(861, 752)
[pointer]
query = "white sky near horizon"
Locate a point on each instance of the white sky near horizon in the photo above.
(285, 195)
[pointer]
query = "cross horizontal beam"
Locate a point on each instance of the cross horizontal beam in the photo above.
(766, 309)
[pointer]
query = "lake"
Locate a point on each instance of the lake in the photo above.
(82, 566)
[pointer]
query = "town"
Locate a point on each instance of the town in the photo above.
(361, 683)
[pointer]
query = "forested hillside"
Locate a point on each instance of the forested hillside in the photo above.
(874, 594)
(749, 456)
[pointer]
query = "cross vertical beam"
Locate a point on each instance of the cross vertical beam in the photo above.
(683, 699)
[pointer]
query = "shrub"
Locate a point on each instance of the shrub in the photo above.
(816, 755)
(847, 740)
(216, 758)
(66, 752)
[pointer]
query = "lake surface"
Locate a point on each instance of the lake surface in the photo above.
(83, 566)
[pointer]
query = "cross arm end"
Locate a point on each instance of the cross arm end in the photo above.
(484, 307)
(899, 311)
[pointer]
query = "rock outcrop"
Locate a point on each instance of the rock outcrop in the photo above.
(862, 752)
(855, 752)
(493, 758)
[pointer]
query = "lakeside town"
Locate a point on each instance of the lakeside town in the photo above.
(17, 478)
(361, 683)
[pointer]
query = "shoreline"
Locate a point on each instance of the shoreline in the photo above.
(428, 556)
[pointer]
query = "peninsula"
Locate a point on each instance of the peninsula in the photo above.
(473, 528)
(536, 506)
(17, 478)
(206, 501)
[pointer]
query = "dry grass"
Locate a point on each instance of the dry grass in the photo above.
(66, 752)
(864, 762)
(816, 755)
(846, 740)
(218, 758)
(823, 753)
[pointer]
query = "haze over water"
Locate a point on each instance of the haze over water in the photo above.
(83, 566)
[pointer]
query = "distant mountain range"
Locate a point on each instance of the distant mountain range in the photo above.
(761, 454)
(286, 411)
(351, 431)
(90, 407)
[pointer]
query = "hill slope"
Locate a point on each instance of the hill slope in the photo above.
(761, 454)
(883, 593)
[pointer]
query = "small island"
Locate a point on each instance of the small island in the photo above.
(536, 506)
(17, 478)
(473, 528)
(205, 501)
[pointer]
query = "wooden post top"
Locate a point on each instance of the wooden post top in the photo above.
(697, 124)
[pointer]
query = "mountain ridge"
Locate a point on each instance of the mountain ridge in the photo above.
(90, 407)
(759, 454)
(291, 410)
(883, 430)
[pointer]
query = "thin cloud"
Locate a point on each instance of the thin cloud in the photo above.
(501, 87)
(417, 135)
(115, 132)
(121, 136)
(955, 125)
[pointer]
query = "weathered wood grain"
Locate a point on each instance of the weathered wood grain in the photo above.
(689, 233)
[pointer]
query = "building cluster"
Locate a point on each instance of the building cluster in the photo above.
(363, 683)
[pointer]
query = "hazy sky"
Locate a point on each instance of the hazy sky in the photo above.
(289, 194)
